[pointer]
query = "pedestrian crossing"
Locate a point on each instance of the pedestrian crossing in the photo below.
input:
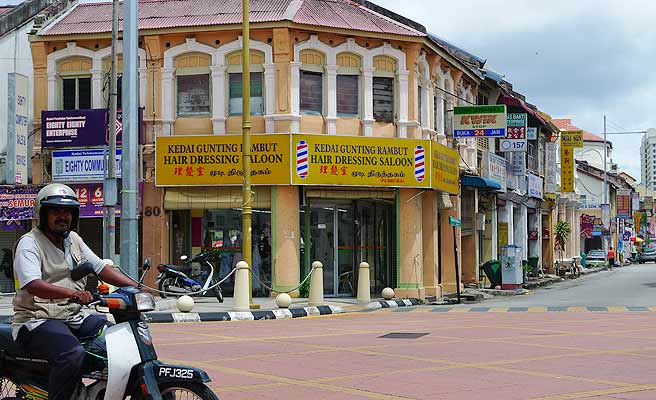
(456, 309)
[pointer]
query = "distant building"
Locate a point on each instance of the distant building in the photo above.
(648, 160)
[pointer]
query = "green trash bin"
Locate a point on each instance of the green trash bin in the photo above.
(534, 262)
(584, 260)
(492, 270)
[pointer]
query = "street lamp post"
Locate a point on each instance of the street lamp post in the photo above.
(247, 194)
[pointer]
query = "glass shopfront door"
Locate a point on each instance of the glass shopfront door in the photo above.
(343, 234)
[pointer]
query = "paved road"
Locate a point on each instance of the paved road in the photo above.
(465, 355)
(633, 285)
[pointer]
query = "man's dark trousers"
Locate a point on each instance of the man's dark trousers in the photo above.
(54, 341)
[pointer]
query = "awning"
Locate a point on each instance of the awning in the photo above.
(341, 193)
(479, 182)
(208, 198)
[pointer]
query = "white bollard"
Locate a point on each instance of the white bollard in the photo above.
(316, 284)
(241, 297)
(388, 293)
(363, 283)
(185, 303)
(283, 300)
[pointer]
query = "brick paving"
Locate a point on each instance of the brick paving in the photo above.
(535, 354)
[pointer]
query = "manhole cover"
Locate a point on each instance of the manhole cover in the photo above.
(403, 335)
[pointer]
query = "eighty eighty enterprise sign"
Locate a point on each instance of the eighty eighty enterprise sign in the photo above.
(302, 159)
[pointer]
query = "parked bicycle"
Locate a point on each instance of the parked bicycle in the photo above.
(179, 279)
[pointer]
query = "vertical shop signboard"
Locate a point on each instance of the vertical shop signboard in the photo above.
(623, 201)
(515, 139)
(17, 120)
(566, 169)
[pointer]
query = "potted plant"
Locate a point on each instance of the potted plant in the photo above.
(561, 235)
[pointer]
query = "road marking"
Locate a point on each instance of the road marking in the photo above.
(600, 392)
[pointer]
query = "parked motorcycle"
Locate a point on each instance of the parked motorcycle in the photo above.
(177, 279)
(126, 365)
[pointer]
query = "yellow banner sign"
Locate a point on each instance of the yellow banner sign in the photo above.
(217, 160)
(566, 169)
(360, 161)
(445, 163)
(571, 139)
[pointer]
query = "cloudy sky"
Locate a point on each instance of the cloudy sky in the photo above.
(578, 59)
(573, 59)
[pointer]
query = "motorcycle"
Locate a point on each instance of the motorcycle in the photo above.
(125, 365)
(177, 279)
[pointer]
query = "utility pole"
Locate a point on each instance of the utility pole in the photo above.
(109, 186)
(605, 170)
(246, 210)
(129, 222)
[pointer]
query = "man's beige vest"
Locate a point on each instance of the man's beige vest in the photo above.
(54, 270)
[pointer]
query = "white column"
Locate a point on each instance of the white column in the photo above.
(403, 104)
(143, 76)
(96, 88)
(331, 116)
(425, 116)
(524, 231)
(269, 97)
(295, 84)
(52, 91)
(441, 134)
(218, 100)
(368, 91)
(510, 209)
(168, 101)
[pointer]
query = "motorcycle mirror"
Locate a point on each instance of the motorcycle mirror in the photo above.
(183, 257)
(148, 263)
(82, 270)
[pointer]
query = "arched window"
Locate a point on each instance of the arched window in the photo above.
(75, 83)
(235, 94)
(311, 81)
(192, 79)
(348, 84)
(384, 89)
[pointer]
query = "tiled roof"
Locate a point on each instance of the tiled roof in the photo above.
(565, 124)
(158, 14)
(4, 10)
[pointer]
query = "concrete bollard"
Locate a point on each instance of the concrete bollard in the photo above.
(363, 283)
(240, 296)
(316, 284)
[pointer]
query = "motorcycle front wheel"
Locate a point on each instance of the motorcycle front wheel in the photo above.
(8, 389)
(164, 286)
(183, 391)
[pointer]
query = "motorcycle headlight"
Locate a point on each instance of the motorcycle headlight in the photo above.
(144, 301)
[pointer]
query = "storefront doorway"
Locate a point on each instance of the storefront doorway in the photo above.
(345, 233)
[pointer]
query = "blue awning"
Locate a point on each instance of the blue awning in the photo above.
(479, 182)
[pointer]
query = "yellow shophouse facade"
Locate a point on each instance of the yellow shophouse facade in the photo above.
(351, 159)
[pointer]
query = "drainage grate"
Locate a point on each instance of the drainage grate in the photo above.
(403, 335)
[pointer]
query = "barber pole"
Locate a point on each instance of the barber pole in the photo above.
(302, 168)
(420, 167)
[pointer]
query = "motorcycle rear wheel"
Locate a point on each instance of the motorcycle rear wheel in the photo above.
(182, 390)
(164, 285)
(9, 389)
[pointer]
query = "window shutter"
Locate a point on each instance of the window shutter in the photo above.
(383, 99)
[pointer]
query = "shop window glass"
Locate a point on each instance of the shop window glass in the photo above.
(235, 93)
(383, 99)
(348, 99)
(311, 92)
(221, 234)
(193, 95)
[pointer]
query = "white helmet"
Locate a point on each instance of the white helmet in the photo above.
(56, 195)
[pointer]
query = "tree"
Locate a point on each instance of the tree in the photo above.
(561, 235)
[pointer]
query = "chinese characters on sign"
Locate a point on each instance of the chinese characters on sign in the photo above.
(217, 160)
(362, 161)
(566, 169)
(516, 134)
(489, 121)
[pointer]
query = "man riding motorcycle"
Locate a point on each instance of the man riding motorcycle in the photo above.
(48, 316)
